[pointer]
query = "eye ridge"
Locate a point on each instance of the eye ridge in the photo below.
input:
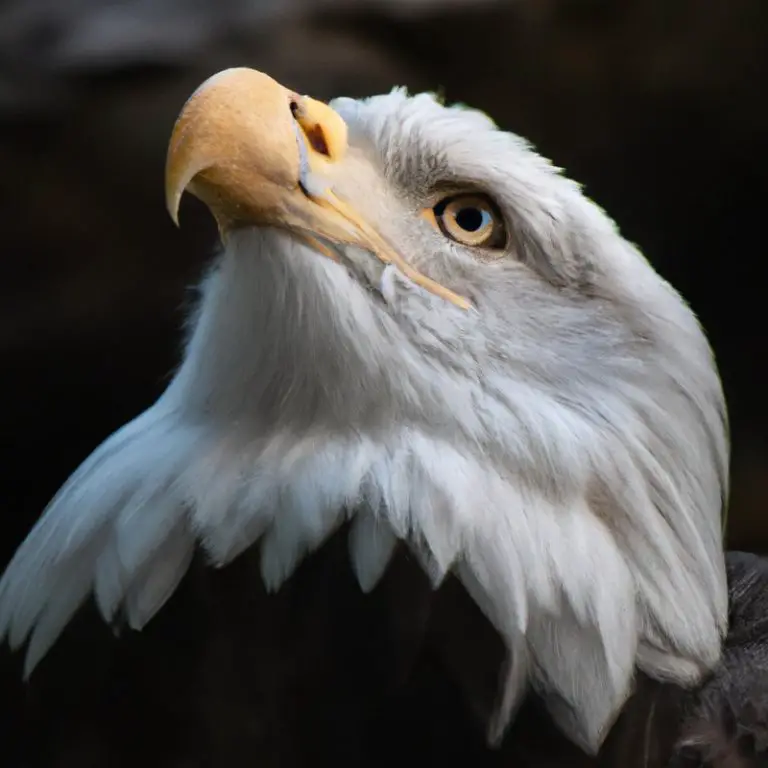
(471, 219)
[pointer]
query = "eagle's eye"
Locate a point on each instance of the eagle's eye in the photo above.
(471, 219)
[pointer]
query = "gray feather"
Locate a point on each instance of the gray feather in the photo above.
(372, 543)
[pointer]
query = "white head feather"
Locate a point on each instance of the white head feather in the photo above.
(563, 448)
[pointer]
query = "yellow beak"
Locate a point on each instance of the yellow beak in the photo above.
(255, 153)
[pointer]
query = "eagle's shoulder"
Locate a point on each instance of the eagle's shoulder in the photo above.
(726, 724)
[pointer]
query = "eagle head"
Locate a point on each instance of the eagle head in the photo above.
(418, 325)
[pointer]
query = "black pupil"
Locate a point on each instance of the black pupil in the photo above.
(469, 219)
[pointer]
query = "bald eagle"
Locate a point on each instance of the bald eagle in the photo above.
(470, 447)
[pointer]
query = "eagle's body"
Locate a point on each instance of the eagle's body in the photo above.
(500, 483)
(322, 674)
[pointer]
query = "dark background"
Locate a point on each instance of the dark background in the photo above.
(660, 107)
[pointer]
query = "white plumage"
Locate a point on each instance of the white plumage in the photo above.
(562, 446)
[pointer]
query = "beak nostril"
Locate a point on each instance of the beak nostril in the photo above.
(316, 138)
(312, 130)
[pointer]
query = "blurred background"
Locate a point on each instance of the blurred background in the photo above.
(658, 106)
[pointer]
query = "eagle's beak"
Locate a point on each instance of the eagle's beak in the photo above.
(257, 153)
